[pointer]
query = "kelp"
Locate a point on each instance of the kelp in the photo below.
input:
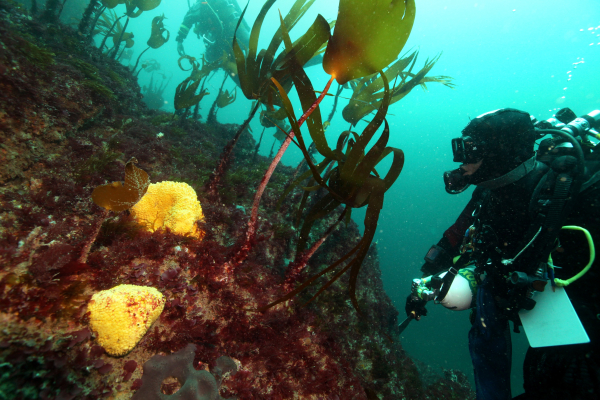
(255, 68)
(126, 37)
(153, 92)
(151, 65)
(106, 25)
(118, 36)
(367, 93)
(156, 37)
(93, 8)
(271, 119)
(158, 29)
(226, 98)
(223, 99)
(185, 93)
(136, 7)
(112, 3)
(368, 36)
(353, 181)
(334, 108)
(120, 196)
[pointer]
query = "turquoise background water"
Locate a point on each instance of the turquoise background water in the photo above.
(534, 55)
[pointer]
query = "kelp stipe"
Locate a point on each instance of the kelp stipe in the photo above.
(255, 69)
(353, 182)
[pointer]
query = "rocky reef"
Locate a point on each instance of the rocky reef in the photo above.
(70, 119)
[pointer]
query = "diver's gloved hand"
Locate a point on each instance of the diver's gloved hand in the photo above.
(180, 49)
(415, 307)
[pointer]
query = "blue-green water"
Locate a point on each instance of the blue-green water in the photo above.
(533, 55)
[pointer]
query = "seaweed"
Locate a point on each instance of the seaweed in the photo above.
(185, 93)
(354, 182)
(120, 196)
(256, 69)
(156, 37)
(90, 71)
(368, 36)
(136, 7)
(36, 55)
(99, 89)
(158, 29)
(367, 93)
(93, 7)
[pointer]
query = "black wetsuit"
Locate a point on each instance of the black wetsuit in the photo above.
(566, 372)
(215, 22)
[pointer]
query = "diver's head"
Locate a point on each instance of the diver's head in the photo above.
(491, 145)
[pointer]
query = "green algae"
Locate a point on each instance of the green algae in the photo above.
(116, 78)
(161, 119)
(38, 56)
(90, 71)
(99, 89)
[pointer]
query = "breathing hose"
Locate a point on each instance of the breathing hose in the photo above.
(562, 283)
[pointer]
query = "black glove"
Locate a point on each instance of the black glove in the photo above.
(180, 48)
(415, 307)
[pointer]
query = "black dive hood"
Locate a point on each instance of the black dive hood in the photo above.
(502, 139)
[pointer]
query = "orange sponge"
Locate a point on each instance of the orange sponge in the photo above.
(121, 316)
(172, 205)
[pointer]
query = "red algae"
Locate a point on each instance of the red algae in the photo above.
(57, 249)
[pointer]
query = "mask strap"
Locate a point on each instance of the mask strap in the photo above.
(511, 176)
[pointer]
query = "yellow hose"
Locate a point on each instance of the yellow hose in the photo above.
(560, 282)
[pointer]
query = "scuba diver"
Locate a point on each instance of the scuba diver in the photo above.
(214, 21)
(499, 255)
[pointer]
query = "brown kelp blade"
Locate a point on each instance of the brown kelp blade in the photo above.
(304, 87)
(119, 196)
(319, 210)
(158, 29)
(357, 151)
(368, 36)
(320, 167)
(256, 67)
(371, 219)
(185, 96)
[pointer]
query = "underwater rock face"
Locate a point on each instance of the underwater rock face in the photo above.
(121, 316)
(57, 248)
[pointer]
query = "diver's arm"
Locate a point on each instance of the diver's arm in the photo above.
(191, 17)
(449, 245)
(439, 257)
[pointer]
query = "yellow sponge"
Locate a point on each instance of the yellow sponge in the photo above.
(121, 316)
(172, 205)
